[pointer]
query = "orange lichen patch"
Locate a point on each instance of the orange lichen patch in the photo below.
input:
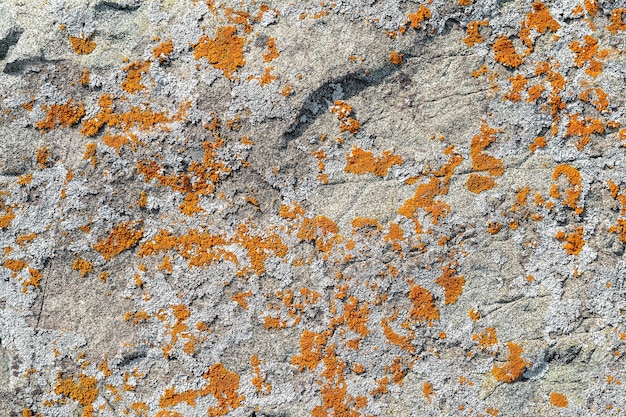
(341, 109)
(34, 280)
(136, 317)
(479, 183)
(6, 218)
(619, 228)
(494, 227)
(419, 16)
(540, 19)
(270, 322)
(362, 222)
(583, 128)
(181, 313)
(451, 283)
(573, 242)
(82, 265)
(262, 387)
(24, 179)
(534, 92)
(240, 298)
(424, 198)
(481, 161)
(311, 348)
(83, 45)
(272, 50)
(539, 142)
(424, 309)
(395, 58)
(586, 53)
(224, 52)
(486, 339)
(84, 78)
(395, 236)
(505, 53)
(84, 392)
(90, 153)
(132, 83)
(571, 194)
(474, 315)
(168, 413)
(65, 115)
(513, 369)
(492, 411)
(267, 77)
(601, 101)
(15, 265)
(617, 21)
(163, 50)
(22, 239)
(122, 237)
(518, 84)
(403, 342)
(356, 317)
(473, 34)
(360, 161)
(291, 213)
(592, 7)
(558, 400)
(428, 391)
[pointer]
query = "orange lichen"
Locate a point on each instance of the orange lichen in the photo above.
(617, 21)
(84, 392)
(486, 339)
(586, 53)
(82, 265)
(240, 298)
(601, 102)
(402, 342)
(224, 52)
(583, 128)
(83, 45)
(22, 239)
(481, 161)
(473, 34)
(571, 194)
(474, 315)
(518, 84)
(479, 183)
(34, 280)
(360, 161)
(272, 50)
(573, 242)
(15, 265)
(539, 142)
(84, 78)
(223, 386)
(90, 153)
(311, 348)
(163, 50)
(513, 369)
(424, 309)
(65, 115)
(262, 387)
(592, 7)
(558, 399)
(540, 19)
(356, 317)
(451, 283)
(419, 16)
(505, 53)
(6, 218)
(267, 76)
(132, 83)
(122, 237)
(427, 390)
(395, 58)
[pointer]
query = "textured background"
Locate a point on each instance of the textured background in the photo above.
(343, 208)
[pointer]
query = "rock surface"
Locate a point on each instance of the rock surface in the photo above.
(345, 208)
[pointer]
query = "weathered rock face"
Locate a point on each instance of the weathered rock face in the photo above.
(319, 208)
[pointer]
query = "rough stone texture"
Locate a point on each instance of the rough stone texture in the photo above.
(350, 208)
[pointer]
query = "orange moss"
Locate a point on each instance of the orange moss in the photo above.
(518, 84)
(558, 400)
(84, 392)
(513, 369)
(132, 83)
(486, 339)
(452, 285)
(82, 265)
(395, 58)
(424, 308)
(83, 45)
(360, 161)
(617, 21)
(224, 52)
(427, 390)
(65, 115)
(311, 348)
(419, 16)
(272, 50)
(122, 237)
(473, 34)
(571, 194)
(505, 53)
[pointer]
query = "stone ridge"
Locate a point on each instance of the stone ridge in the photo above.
(339, 208)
